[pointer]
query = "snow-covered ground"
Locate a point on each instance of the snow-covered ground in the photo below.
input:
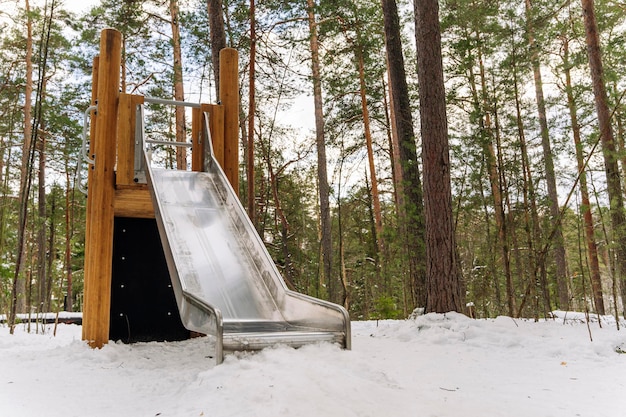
(435, 365)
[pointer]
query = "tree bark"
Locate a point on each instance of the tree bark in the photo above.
(251, 111)
(403, 121)
(614, 187)
(218, 38)
(394, 146)
(179, 91)
(340, 237)
(18, 288)
(322, 176)
(41, 233)
(443, 273)
(585, 207)
(51, 254)
(621, 144)
(559, 248)
(531, 217)
(284, 223)
(67, 258)
(507, 236)
(487, 141)
(378, 218)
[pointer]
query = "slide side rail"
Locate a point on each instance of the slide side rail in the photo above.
(214, 313)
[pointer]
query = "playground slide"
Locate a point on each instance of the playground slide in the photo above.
(225, 282)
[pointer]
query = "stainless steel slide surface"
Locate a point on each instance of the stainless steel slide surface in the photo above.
(225, 281)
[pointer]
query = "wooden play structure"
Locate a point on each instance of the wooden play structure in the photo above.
(170, 253)
(113, 188)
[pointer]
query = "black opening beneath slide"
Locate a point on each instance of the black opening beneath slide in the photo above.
(143, 306)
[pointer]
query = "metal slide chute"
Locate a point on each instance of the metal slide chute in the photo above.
(225, 282)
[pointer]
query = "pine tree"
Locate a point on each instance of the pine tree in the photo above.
(614, 186)
(326, 249)
(403, 122)
(443, 273)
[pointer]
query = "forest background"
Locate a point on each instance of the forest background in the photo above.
(536, 221)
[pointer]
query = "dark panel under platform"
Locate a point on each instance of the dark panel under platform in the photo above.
(143, 307)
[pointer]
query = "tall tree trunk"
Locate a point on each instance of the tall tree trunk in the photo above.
(342, 262)
(378, 217)
(394, 147)
(398, 189)
(592, 249)
(41, 216)
(3, 145)
(506, 232)
(621, 143)
(559, 248)
(322, 176)
(5, 287)
(284, 224)
(251, 111)
(67, 258)
(443, 272)
(531, 217)
(39, 142)
(487, 140)
(412, 187)
(218, 38)
(51, 253)
(18, 288)
(611, 168)
(340, 231)
(483, 106)
(179, 92)
(493, 254)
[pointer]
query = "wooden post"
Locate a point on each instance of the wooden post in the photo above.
(92, 134)
(98, 259)
(197, 144)
(216, 125)
(229, 98)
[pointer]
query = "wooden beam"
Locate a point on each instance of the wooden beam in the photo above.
(229, 97)
(216, 125)
(134, 201)
(86, 324)
(98, 267)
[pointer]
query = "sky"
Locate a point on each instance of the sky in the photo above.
(79, 5)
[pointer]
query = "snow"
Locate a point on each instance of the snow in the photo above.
(432, 365)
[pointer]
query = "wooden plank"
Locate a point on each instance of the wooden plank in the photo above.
(126, 138)
(216, 125)
(102, 189)
(229, 97)
(134, 201)
(125, 143)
